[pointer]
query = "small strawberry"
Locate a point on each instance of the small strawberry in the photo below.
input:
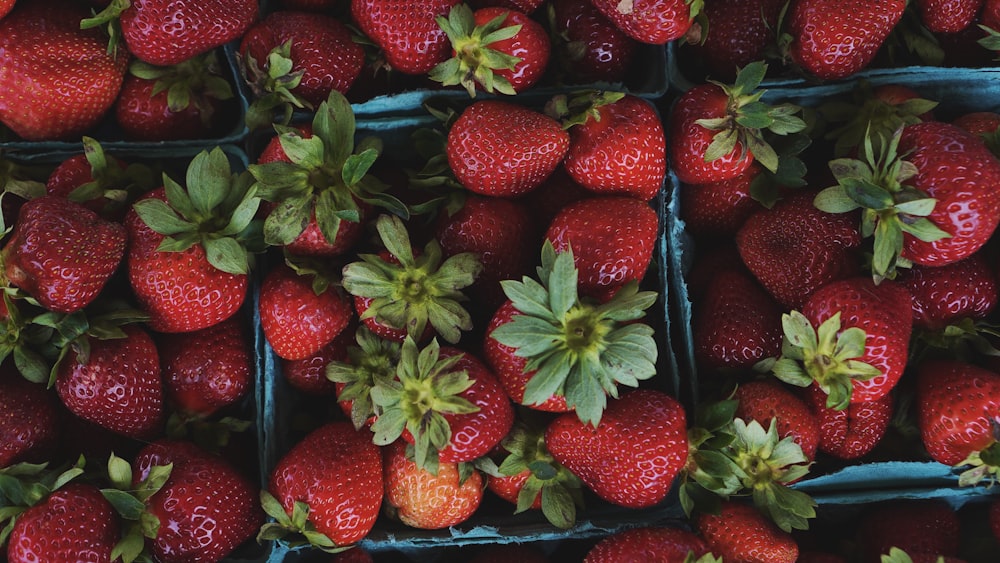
(29, 429)
(493, 49)
(648, 543)
(190, 249)
(651, 21)
(588, 47)
(425, 500)
(852, 432)
(328, 486)
(411, 40)
(65, 70)
(740, 533)
(62, 253)
(948, 16)
(718, 129)
(611, 457)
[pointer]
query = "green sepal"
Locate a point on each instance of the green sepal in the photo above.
(474, 61)
(273, 86)
(296, 529)
(110, 19)
(369, 364)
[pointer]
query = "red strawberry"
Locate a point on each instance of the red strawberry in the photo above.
(425, 500)
(765, 400)
(62, 253)
(711, 138)
(6, 6)
(948, 16)
(738, 34)
(984, 124)
(309, 374)
(849, 339)
(793, 248)
(336, 471)
(29, 428)
(944, 295)
(917, 526)
(650, 21)
(834, 39)
(647, 544)
(741, 534)
(206, 508)
(497, 148)
(189, 249)
(719, 209)
(298, 317)
(117, 384)
(74, 523)
(588, 47)
(611, 458)
(407, 32)
(852, 432)
(65, 70)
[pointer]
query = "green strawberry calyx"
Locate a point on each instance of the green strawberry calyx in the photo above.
(294, 528)
(129, 501)
(369, 364)
(826, 356)
(192, 83)
(890, 208)
(747, 119)
(578, 349)
(580, 107)
(418, 290)
(474, 61)
(896, 555)
(216, 211)
(992, 39)
(866, 115)
(426, 388)
(111, 183)
(110, 18)
(273, 86)
(23, 485)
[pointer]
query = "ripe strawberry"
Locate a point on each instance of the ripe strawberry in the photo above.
(425, 500)
(917, 526)
(984, 124)
(73, 523)
(740, 533)
(61, 253)
(764, 400)
(617, 147)
(719, 209)
(6, 6)
(944, 295)
(739, 32)
(641, 425)
(66, 72)
(299, 312)
(183, 101)
(189, 249)
(116, 383)
(650, 21)
(957, 408)
(948, 16)
(587, 47)
(833, 39)
(29, 429)
(335, 475)
(411, 40)
(208, 369)
(711, 132)
(498, 148)
(852, 432)
(849, 339)
(309, 374)
(493, 49)
(793, 248)
(647, 544)
(196, 26)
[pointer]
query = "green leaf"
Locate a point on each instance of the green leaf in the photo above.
(558, 507)
(227, 255)
(119, 472)
(791, 372)
(125, 504)
(208, 180)
(722, 144)
(161, 217)
(749, 77)
(834, 200)
(334, 123)
(357, 166)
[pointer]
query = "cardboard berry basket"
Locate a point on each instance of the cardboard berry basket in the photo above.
(288, 413)
(888, 467)
(234, 129)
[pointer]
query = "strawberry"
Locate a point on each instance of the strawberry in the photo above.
(446, 402)
(794, 248)
(764, 400)
(738, 33)
(617, 147)
(957, 405)
(498, 148)
(6, 6)
(29, 429)
(309, 374)
(73, 523)
(190, 249)
(918, 526)
(295, 59)
(948, 16)
(183, 101)
(61, 253)
(849, 339)
(587, 47)
(587, 350)
(643, 424)
(833, 39)
(493, 49)
(651, 21)
(718, 129)
(66, 72)
(196, 26)
(299, 312)
(944, 295)
(358, 370)
(740, 533)
(719, 209)
(206, 508)
(115, 383)
(206, 370)
(647, 543)
(329, 483)
(411, 292)
(852, 432)
(411, 40)
(425, 500)
(984, 124)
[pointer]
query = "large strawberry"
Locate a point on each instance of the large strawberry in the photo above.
(65, 71)
(62, 253)
(411, 40)
(190, 249)
(739, 532)
(611, 458)
(329, 485)
(651, 21)
(834, 39)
